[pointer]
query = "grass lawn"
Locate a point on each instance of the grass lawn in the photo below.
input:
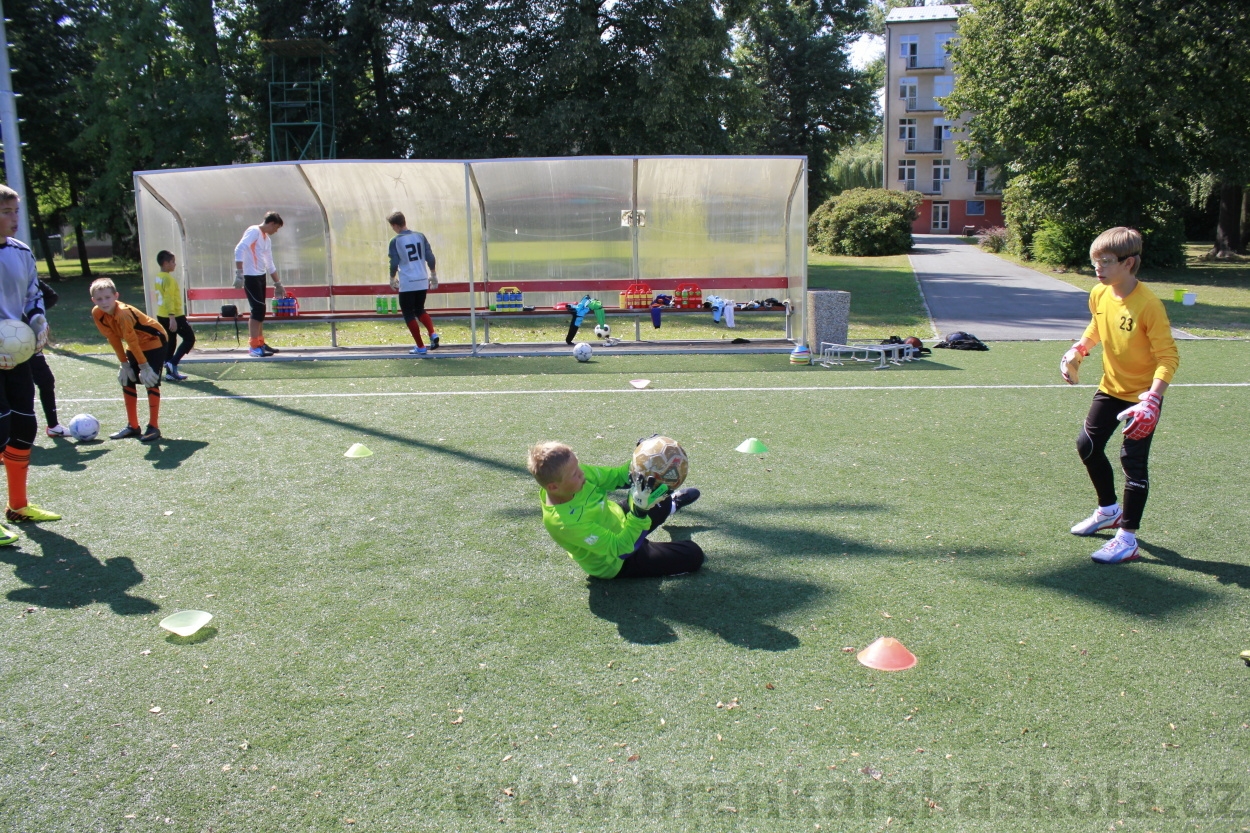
(397, 644)
(885, 298)
(1223, 289)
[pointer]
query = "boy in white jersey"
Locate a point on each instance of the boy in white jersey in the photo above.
(253, 266)
(21, 299)
(413, 275)
(1139, 359)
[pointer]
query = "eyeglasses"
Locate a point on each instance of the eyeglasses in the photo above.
(1107, 260)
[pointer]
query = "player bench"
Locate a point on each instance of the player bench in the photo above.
(229, 296)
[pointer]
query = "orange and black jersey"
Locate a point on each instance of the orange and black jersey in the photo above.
(129, 329)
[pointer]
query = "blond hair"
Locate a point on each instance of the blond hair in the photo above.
(547, 460)
(1120, 241)
(102, 283)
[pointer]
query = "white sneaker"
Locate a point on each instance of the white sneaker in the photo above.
(1117, 551)
(1099, 520)
(57, 431)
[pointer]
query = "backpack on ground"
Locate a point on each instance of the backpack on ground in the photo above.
(962, 341)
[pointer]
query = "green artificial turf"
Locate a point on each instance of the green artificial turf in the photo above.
(397, 644)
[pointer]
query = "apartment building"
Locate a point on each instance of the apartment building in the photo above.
(919, 151)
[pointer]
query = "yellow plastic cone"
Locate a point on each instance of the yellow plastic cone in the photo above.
(358, 450)
(752, 446)
(186, 622)
(887, 654)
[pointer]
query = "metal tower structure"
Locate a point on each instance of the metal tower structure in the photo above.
(301, 100)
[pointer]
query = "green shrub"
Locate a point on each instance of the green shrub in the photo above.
(1062, 244)
(864, 222)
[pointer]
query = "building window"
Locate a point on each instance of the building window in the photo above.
(941, 173)
(909, 49)
(907, 132)
(975, 208)
(907, 172)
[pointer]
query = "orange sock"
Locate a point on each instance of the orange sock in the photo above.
(16, 465)
(154, 407)
(132, 406)
(255, 342)
(414, 327)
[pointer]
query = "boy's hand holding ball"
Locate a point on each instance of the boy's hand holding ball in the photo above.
(645, 494)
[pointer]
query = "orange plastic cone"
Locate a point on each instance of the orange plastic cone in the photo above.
(887, 654)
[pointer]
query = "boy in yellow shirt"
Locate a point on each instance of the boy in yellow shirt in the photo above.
(1139, 359)
(172, 315)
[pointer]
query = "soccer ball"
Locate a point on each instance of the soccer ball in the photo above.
(84, 427)
(603, 330)
(662, 458)
(582, 352)
(17, 339)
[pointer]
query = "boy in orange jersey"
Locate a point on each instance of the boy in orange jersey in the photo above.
(20, 298)
(139, 342)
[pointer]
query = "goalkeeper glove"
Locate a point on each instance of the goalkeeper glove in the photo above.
(433, 281)
(126, 374)
(1143, 417)
(149, 377)
(238, 277)
(1070, 364)
(279, 291)
(644, 494)
(39, 323)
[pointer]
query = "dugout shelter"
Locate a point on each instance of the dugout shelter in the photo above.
(557, 228)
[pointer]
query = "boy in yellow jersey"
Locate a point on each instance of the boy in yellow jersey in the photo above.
(139, 342)
(1139, 359)
(172, 314)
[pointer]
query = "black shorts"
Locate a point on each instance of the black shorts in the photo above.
(412, 303)
(255, 287)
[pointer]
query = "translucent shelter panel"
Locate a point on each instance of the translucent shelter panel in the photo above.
(216, 205)
(715, 217)
(556, 219)
(359, 196)
(158, 231)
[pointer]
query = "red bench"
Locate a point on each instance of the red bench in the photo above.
(574, 290)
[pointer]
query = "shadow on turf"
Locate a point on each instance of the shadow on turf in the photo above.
(1222, 571)
(733, 606)
(402, 439)
(66, 576)
(170, 454)
(1125, 588)
(68, 455)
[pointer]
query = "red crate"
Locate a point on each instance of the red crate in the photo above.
(687, 296)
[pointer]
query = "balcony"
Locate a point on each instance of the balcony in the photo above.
(933, 187)
(917, 104)
(928, 60)
(988, 189)
(924, 145)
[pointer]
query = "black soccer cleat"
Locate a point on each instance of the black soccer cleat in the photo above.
(684, 497)
(151, 435)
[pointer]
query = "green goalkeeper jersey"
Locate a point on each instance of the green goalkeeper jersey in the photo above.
(595, 531)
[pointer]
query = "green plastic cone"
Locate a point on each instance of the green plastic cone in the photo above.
(186, 622)
(358, 450)
(752, 446)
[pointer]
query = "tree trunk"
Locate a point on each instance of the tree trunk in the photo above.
(1228, 231)
(78, 235)
(1245, 219)
(38, 229)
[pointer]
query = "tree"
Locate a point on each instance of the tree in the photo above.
(801, 94)
(1106, 106)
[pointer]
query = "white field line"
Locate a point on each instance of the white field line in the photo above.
(633, 391)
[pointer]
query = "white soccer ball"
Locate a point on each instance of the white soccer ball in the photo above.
(84, 427)
(603, 330)
(17, 339)
(662, 458)
(582, 352)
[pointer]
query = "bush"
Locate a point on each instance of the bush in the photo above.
(864, 222)
(992, 239)
(1062, 244)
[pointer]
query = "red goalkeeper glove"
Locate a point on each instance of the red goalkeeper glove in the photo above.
(1143, 417)
(1070, 364)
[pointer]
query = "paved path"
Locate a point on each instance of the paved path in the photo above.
(995, 300)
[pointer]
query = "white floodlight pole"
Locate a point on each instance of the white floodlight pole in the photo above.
(8, 131)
